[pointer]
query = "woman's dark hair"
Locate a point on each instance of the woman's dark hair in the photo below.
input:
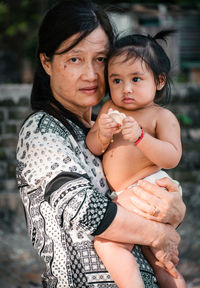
(150, 51)
(62, 21)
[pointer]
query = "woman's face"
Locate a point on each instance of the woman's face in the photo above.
(77, 76)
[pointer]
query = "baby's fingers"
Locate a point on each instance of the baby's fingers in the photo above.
(106, 120)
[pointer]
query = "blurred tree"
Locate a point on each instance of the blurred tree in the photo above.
(19, 21)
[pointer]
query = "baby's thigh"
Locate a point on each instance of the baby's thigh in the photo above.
(102, 245)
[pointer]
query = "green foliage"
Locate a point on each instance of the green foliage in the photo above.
(19, 22)
(185, 120)
(182, 77)
(3, 11)
(177, 2)
(20, 19)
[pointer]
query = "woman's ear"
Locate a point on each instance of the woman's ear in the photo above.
(162, 82)
(46, 63)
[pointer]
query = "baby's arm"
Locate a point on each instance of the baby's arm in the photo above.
(100, 135)
(164, 149)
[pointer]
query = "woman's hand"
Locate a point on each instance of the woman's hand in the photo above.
(165, 249)
(155, 203)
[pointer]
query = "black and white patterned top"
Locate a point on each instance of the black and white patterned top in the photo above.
(63, 190)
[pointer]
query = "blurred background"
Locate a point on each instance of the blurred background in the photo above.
(19, 20)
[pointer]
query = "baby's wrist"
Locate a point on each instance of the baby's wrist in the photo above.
(103, 137)
(104, 141)
(141, 136)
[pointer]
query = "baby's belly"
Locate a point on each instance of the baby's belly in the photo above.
(125, 164)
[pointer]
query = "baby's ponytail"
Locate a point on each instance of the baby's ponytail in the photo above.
(163, 34)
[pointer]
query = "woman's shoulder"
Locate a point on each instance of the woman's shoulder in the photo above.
(42, 122)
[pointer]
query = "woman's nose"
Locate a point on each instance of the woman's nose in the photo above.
(89, 72)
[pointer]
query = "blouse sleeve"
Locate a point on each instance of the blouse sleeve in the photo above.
(50, 164)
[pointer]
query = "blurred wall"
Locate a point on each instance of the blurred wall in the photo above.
(14, 107)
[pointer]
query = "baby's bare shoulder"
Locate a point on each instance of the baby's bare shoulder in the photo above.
(106, 106)
(164, 113)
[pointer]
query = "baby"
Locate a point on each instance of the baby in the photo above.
(137, 138)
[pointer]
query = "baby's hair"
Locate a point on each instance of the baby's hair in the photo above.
(150, 51)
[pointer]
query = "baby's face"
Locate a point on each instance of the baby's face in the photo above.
(132, 84)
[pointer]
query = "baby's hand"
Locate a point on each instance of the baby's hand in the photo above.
(131, 130)
(116, 116)
(107, 126)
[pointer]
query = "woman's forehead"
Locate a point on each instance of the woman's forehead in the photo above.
(96, 40)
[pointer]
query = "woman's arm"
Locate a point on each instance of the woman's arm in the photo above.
(127, 228)
(130, 228)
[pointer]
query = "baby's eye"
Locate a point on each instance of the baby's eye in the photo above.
(116, 81)
(136, 79)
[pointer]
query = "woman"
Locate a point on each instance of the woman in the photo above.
(62, 185)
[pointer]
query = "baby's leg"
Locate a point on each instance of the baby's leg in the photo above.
(119, 262)
(165, 280)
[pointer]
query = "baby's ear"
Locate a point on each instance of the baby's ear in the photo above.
(162, 81)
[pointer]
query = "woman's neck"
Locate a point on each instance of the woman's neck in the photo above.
(84, 114)
(85, 118)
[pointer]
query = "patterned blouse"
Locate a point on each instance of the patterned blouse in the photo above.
(64, 193)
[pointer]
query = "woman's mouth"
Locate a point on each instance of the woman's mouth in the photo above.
(89, 90)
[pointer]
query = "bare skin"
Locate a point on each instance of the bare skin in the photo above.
(161, 145)
(133, 90)
(77, 82)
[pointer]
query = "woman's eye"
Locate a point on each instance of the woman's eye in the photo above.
(116, 81)
(74, 60)
(136, 79)
(101, 59)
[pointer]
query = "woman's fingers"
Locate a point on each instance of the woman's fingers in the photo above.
(142, 205)
(168, 184)
(175, 259)
(145, 201)
(144, 194)
(156, 203)
(166, 262)
(144, 214)
(169, 266)
(152, 188)
(167, 207)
